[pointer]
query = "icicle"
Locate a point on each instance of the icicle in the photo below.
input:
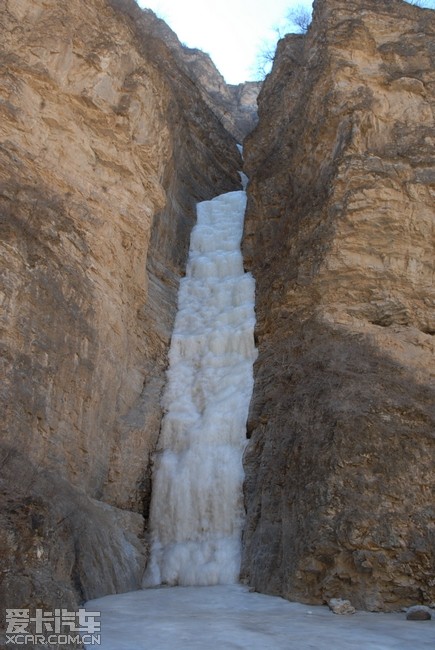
(197, 508)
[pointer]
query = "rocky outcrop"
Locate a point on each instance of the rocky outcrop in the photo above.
(110, 132)
(106, 145)
(234, 105)
(340, 237)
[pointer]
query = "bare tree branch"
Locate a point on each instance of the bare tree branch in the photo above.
(300, 17)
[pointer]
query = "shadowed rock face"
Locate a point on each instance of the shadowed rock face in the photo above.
(339, 235)
(234, 105)
(108, 137)
(105, 147)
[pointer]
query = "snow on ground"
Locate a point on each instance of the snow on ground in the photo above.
(232, 618)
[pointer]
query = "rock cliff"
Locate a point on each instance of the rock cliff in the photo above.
(340, 237)
(106, 144)
(110, 132)
(234, 105)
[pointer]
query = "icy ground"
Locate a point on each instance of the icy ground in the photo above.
(230, 618)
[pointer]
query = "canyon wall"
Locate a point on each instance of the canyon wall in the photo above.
(106, 144)
(110, 132)
(234, 104)
(340, 237)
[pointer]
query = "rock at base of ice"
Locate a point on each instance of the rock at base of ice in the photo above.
(418, 613)
(340, 606)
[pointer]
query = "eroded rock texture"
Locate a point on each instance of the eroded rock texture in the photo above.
(340, 237)
(234, 105)
(105, 146)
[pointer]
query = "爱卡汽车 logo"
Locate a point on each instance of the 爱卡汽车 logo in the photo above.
(57, 627)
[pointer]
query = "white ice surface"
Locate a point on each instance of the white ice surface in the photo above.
(230, 618)
(197, 503)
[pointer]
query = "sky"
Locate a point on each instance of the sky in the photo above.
(231, 31)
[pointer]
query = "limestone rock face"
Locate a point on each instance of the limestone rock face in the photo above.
(234, 105)
(340, 237)
(105, 147)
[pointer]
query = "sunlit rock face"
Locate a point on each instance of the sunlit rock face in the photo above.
(105, 148)
(235, 105)
(339, 236)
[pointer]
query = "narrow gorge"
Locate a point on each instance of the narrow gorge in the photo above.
(111, 135)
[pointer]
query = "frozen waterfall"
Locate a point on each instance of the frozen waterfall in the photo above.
(197, 508)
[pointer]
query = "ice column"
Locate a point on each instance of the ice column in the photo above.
(197, 506)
